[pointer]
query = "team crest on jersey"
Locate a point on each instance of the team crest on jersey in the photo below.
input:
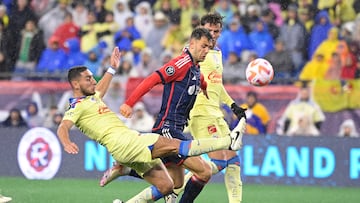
(170, 70)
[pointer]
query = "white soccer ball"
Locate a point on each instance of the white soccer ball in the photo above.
(259, 72)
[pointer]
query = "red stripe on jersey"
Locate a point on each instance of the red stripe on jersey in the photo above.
(167, 107)
(180, 63)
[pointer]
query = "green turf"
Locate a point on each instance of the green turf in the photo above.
(88, 191)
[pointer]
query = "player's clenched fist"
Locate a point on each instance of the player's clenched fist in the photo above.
(125, 110)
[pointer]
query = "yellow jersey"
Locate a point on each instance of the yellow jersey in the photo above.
(212, 69)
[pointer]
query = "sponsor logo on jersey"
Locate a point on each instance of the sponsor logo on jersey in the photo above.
(39, 154)
(212, 129)
(170, 70)
(215, 77)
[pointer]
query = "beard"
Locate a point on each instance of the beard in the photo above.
(87, 92)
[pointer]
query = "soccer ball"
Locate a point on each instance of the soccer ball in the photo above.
(259, 72)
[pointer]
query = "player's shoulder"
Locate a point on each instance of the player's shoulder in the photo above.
(183, 60)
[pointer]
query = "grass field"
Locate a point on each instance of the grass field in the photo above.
(88, 191)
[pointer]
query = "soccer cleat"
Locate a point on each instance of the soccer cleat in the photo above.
(114, 172)
(170, 198)
(4, 199)
(236, 135)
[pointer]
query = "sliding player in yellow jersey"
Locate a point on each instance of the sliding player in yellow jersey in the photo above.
(89, 113)
(207, 119)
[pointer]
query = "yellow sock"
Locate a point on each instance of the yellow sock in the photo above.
(142, 197)
(202, 146)
(233, 183)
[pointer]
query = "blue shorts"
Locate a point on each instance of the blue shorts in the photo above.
(171, 132)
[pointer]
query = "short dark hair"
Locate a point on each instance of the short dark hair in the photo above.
(212, 18)
(75, 72)
(199, 32)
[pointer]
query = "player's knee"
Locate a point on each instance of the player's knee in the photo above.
(205, 173)
(165, 187)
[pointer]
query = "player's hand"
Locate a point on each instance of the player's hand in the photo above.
(71, 148)
(125, 110)
(238, 111)
(115, 58)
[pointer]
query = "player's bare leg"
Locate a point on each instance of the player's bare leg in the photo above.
(165, 147)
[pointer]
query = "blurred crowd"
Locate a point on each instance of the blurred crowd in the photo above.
(303, 39)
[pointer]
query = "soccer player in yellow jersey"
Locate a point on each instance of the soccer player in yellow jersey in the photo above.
(90, 114)
(207, 119)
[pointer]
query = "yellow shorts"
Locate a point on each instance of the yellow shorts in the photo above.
(132, 149)
(208, 127)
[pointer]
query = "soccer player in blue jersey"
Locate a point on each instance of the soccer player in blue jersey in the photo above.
(182, 82)
(89, 113)
(207, 119)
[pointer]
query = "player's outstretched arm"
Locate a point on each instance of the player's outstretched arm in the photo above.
(63, 134)
(104, 83)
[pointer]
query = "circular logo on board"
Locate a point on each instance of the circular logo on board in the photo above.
(39, 154)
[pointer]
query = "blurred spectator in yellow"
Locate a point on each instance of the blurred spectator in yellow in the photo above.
(325, 4)
(174, 39)
(136, 48)
(5, 70)
(3, 15)
(190, 9)
(316, 68)
(302, 111)
(108, 30)
(257, 116)
(89, 31)
(348, 129)
(341, 12)
(14, 119)
(329, 45)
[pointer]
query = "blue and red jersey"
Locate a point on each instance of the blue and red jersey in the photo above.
(182, 82)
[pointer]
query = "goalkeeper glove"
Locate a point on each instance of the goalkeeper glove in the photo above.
(238, 111)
